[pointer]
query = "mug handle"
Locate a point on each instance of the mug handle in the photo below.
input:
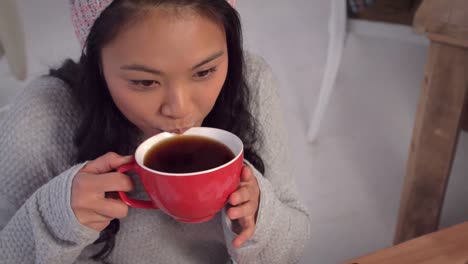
(123, 195)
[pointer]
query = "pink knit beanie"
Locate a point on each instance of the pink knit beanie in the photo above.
(85, 13)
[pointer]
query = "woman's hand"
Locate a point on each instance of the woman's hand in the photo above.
(245, 202)
(89, 187)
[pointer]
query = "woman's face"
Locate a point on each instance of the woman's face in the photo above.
(165, 71)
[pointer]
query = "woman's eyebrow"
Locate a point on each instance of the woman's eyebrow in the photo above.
(139, 67)
(209, 59)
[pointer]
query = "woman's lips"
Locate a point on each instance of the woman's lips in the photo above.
(179, 130)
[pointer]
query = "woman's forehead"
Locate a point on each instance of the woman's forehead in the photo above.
(161, 37)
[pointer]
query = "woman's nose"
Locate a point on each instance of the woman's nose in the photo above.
(176, 103)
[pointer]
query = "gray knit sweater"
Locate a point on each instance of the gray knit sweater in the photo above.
(36, 171)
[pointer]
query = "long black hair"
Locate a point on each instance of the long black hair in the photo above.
(104, 128)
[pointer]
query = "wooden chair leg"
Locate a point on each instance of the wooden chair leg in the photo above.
(464, 122)
(435, 136)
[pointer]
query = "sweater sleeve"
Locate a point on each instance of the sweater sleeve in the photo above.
(36, 156)
(45, 229)
(283, 223)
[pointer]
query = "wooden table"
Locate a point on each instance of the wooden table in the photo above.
(448, 246)
(439, 116)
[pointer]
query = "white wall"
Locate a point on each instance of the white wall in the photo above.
(49, 39)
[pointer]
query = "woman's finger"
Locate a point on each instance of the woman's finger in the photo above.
(243, 210)
(246, 174)
(97, 217)
(248, 230)
(111, 208)
(112, 182)
(98, 186)
(106, 163)
(88, 216)
(100, 223)
(240, 196)
(98, 226)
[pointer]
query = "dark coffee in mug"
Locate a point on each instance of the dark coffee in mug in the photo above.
(186, 154)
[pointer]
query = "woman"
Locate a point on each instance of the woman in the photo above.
(147, 66)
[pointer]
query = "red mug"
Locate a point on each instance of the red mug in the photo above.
(188, 197)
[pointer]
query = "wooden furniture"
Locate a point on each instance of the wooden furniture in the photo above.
(448, 246)
(390, 11)
(438, 119)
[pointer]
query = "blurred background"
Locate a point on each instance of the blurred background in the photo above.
(351, 177)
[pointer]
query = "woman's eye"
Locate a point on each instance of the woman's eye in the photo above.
(204, 74)
(144, 83)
